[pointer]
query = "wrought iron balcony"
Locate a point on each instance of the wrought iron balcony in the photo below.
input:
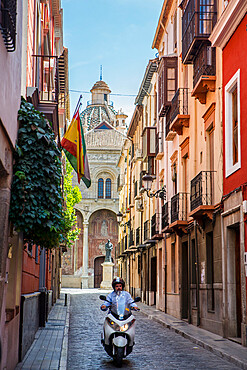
(167, 83)
(8, 23)
(201, 195)
(179, 111)
(198, 20)
(46, 77)
(179, 208)
(165, 216)
(204, 72)
(155, 227)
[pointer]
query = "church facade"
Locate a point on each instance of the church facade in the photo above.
(104, 131)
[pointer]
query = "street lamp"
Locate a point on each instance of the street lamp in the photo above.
(119, 217)
(147, 180)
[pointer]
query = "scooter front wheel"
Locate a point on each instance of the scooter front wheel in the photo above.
(119, 356)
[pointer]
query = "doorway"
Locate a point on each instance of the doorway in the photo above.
(98, 271)
(234, 282)
(154, 277)
(184, 282)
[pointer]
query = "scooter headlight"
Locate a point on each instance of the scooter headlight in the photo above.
(113, 325)
(125, 327)
(122, 328)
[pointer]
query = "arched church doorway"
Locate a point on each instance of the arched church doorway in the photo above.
(98, 271)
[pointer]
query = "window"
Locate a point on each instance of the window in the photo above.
(232, 125)
(100, 188)
(108, 188)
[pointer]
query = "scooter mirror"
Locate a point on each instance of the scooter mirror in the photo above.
(102, 297)
(137, 299)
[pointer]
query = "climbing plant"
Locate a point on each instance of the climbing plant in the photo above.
(36, 206)
(72, 196)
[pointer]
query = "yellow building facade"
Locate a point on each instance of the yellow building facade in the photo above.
(177, 125)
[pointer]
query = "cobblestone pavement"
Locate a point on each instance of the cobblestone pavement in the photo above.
(156, 347)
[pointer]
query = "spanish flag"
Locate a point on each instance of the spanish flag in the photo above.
(74, 147)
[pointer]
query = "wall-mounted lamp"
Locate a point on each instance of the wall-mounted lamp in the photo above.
(119, 217)
(147, 180)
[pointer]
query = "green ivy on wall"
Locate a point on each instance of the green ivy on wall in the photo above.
(72, 196)
(36, 206)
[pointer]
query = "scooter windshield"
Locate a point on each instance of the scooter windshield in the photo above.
(119, 307)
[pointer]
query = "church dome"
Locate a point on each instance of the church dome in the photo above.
(100, 85)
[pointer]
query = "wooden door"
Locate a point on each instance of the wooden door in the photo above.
(238, 283)
(184, 282)
(154, 276)
(98, 271)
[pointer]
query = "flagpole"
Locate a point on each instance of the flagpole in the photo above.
(78, 103)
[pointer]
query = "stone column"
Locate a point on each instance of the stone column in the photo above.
(85, 256)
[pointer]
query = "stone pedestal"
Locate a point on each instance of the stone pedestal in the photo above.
(84, 282)
(107, 275)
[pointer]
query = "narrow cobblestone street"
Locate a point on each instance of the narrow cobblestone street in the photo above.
(156, 347)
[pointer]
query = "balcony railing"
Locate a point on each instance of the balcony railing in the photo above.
(198, 21)
(155, 225)
(109, 103)
(8, 23)
(179, 208)
(146, 230)
(46, 77)
(179, 103)
(204, 63)
(165, 216)
(138, 234)
(201, 190)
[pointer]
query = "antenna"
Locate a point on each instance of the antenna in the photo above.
(101, 72)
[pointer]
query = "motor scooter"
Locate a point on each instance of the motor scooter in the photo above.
(119, 330)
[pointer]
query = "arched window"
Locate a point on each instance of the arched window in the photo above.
(100, 188)
(108, 188)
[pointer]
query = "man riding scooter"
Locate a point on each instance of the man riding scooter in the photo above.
(118, 285)
(119, 325)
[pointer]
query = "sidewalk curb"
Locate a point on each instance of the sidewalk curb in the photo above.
(216, 351)
(64, 352)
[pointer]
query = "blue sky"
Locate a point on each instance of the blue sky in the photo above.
(116, 34)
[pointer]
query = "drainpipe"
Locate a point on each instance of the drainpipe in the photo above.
(197, 276)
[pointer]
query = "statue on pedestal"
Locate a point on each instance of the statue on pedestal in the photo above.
(108, 249)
